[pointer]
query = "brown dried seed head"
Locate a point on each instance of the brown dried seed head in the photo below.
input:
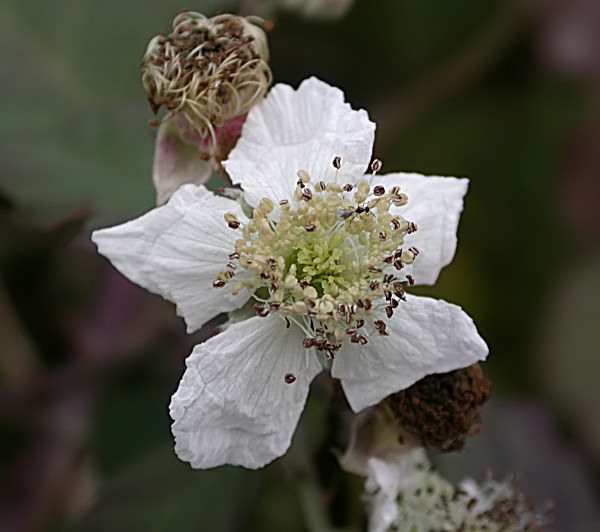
(442, 409)
(208, 70)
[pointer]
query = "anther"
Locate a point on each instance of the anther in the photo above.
(381, 327)
(399, 290)
(412, 227)
(310, 227)
(376, 165)
(414, 251)
(322, 185)
(309, 342)
(410, 279)
(218, 283)
(303, 175)
(348, 187)
(337, 162)
(234, 256)
(232, 220)
(306, 194)
(261, 310)
(379, 190)
(374, 285)
(398, 264)
(389, 311)
(359, 323)
(289, 378)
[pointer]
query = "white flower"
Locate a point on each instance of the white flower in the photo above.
(408, 494)
(324, 266)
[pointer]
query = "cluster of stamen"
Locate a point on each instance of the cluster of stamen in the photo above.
(209, 70)
(328, 260)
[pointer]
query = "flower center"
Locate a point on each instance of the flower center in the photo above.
(327, 262)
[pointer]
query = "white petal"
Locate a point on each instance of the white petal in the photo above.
(233, 405)
(425, 336)
(434, 205)
(177, 250)
(176, 162)
(302, 129)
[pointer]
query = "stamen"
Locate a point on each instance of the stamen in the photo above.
(324, 262)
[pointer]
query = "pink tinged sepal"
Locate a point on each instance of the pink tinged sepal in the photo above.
(177, 162)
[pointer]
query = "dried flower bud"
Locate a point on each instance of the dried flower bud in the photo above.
(209, 70)
(442, 409)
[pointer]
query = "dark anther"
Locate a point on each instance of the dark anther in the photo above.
(389, 311)
(337, 162)
(309, 342)
(218, 283)
(289, 378)
(379, 190)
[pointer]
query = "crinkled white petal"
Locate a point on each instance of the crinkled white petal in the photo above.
(434, 205)
(425, 336)
(301, 129)
(233, 405)
(177, 250)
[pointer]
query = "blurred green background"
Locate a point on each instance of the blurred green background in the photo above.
(503, 92)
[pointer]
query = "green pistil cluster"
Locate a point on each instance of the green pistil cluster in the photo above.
(321, 261)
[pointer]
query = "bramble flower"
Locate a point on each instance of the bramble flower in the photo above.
(314, 259)
(207, 73)
(408, 494)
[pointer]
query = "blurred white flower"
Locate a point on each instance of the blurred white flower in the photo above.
(408, 494)
(320, 254)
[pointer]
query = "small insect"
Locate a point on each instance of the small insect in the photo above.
(344, 214)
